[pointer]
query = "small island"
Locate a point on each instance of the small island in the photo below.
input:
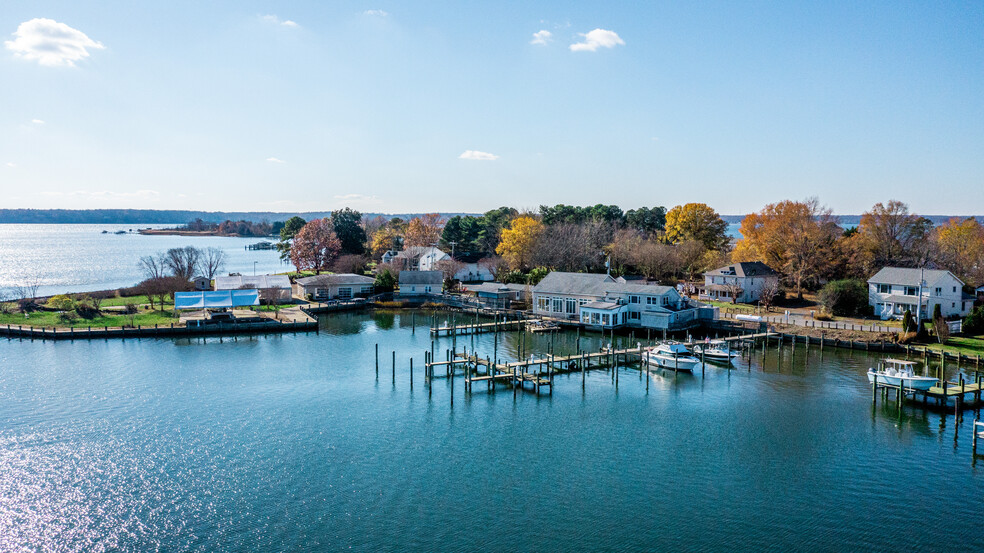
(199, 227)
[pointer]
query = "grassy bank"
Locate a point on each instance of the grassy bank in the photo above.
(966, 345)
(51, 319)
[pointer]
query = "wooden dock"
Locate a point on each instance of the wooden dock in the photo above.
(478, 328)
(942, 393)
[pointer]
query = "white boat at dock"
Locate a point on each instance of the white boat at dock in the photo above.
(716, 350)
(896, 372)
(672, 355)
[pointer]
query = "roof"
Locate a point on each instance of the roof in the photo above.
(591, 284)
(421, 277)
(604, 305)
(335, 280)
(216, 299)
(495, 288)
(413, 251)
(575, 284)
(641, 289)
(258, 282)
(909, 277)
(743, 269)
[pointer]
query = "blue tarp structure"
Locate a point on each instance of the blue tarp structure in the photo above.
(215, 300)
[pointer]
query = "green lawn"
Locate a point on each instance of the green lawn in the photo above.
(732, 306)
(967, 345)
(50, 319)
(136, 300)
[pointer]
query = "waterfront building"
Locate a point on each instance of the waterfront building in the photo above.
(603, 301)
(739, 282)
(893, 290)
(341, 286)
(414, 283)
(497, 294)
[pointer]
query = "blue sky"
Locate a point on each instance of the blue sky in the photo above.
(398, 107)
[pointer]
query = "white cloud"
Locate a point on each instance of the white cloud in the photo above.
(475, 155)
(275, 160)
(272, 19)
(10, 164)
(542, 37)
(598, 38)
(37, 121)
(377, 13)
(51, 43)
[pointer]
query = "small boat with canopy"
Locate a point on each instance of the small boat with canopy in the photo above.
(896, 372)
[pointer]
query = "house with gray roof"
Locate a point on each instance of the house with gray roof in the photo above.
(415, 283)
(342, 286)
(894, 290)
(741, 282)
(497, 294)
(603, 301)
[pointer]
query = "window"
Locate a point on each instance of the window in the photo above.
(571, 306)
(605, 319)
(427, 289)
(633, 299)
(954, 289)
(366, 290)
(542, 304)
(665, 300)
(634, 315)
(558, 305)
(650, 300)
(345, 293)
(938, 292)
(911, 290)
(954, 304)
(582, 301)
(884, 288)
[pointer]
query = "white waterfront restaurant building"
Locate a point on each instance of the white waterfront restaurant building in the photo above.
(603, 301)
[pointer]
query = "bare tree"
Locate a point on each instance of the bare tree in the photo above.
(733, 288)
(153, 266)
(28, 289)
(655, 260)
(212, 262)
(769, 293)
(5, 304)
(350, 263)
(494, 265)
(449, 267)
(183, 262)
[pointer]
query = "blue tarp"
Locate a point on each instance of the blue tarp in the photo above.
(215, 300)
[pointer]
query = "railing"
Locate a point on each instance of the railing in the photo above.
(813, 323)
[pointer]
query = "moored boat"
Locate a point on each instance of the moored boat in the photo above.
(896, 372)
(672, 355)
(716, 350)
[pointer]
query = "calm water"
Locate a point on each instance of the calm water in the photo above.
(78, 258)
(290, 442)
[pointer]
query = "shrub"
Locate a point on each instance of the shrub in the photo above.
(67, 317)
(87, 307)
(845, 297)
(823, 316)
(907, 337)
(130, 308)
(391, 304)
(61, 302)
(385, 281)
(974, 323)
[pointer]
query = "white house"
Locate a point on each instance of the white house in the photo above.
(414, 283)
(416, 258)
(474, 272)
(341, 286)
(270, 286)
(598, 300)
(748, 279)
(893, 290)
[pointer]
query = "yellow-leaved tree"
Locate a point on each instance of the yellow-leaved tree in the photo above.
(517, 242)
(960, 248)
(696, 221)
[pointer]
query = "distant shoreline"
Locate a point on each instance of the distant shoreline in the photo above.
(184, 232)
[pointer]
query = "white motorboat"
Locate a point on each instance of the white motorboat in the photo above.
(672, 355)
(896, 372)
(716, 350)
